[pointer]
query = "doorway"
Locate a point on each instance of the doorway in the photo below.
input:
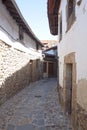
(50, 70)
(31, 70)
(69, 87)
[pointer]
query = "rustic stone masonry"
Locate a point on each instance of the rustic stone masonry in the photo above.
(15, 71)
(81, 118)
(61, 96)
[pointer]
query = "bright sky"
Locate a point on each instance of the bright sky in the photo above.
(35, 13)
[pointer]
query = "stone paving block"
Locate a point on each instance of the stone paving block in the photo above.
(25, 127)
(35, 113)
(11, 127)
(48, 128)
(41, 122)
(41, 128)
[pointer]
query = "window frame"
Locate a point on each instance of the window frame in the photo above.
(21, 36)
(70, 13)
(61, 31)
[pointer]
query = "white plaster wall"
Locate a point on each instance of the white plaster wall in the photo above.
(7, 22)
(40, 48)
(11, 27)
(75, 40)
(29, 42)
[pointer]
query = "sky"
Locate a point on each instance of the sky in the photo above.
(35, 13)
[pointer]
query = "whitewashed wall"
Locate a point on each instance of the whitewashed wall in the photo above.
(75, 40)
(9, 33)
(29, 42)
(7, 22)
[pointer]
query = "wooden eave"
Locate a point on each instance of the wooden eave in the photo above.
(17, 16)
(53, 6)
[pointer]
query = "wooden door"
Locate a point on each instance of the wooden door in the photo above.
(31, 70)
(50, 70)
(69, 88)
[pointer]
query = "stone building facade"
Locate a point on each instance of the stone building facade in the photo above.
(20, 51)
(67, 18)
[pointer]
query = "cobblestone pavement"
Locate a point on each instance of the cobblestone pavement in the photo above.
(34, 108)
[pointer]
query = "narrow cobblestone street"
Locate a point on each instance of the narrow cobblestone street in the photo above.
(34, 108)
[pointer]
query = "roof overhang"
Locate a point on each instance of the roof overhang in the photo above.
(17, 16)
(53, 7)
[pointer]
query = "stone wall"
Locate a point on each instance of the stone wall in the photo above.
(81, 118)
(78, 116)
(61, 96)
(15, 71)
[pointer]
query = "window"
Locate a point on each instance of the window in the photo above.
(70, 8)
(79, 2)
(70, 13)
(60, 38)
(20, 33)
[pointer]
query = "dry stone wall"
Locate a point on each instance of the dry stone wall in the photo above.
(15, 71)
